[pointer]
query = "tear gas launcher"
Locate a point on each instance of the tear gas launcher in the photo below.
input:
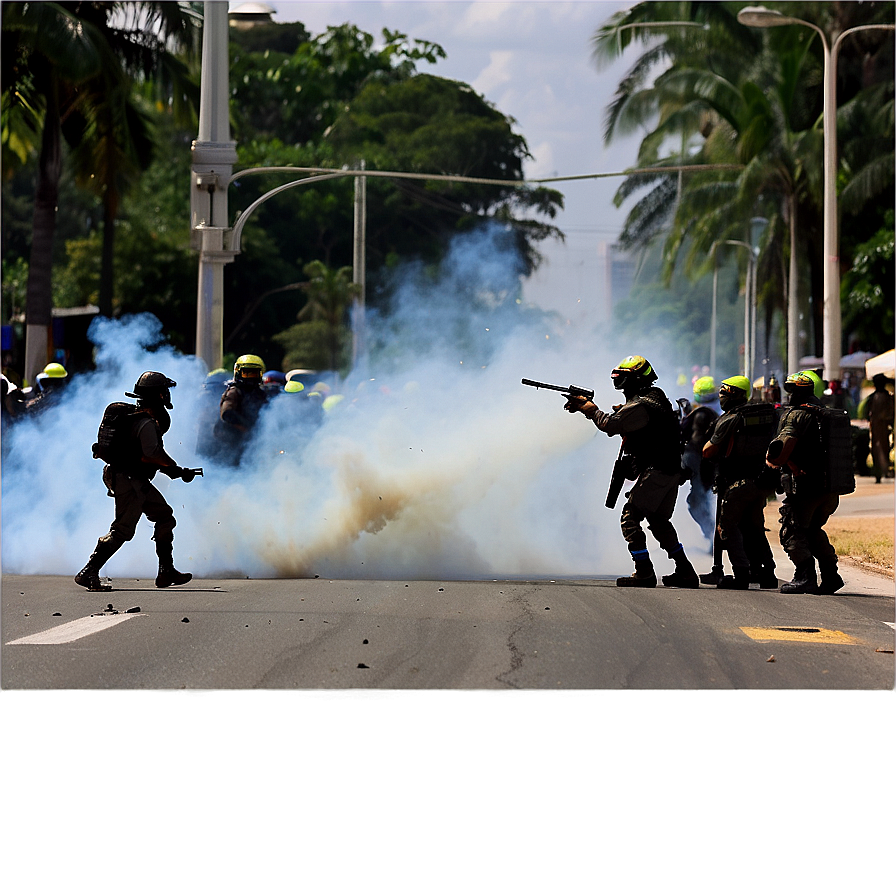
(622, 469)
(567, 391)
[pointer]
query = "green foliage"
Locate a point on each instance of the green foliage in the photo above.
(13, 282)
(869, 292)
(310, 345)
(728, 93)
(297, 96)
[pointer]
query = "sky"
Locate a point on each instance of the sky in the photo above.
(532, 60)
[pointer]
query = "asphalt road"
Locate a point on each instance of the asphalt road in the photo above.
(561, 634)
(311, 634)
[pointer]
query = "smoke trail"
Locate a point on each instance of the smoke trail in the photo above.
(437, 464)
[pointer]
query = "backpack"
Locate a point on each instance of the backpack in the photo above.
(758, 426)
(835, 438)
(110, 445)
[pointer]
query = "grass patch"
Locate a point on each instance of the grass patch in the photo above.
(865, 539)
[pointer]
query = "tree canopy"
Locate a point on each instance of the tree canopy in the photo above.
(338, 99)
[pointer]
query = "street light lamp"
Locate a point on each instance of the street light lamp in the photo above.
(760, 17)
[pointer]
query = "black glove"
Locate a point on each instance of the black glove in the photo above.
(173, 472)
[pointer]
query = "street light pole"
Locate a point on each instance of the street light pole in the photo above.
(213, 158)
(761, 17)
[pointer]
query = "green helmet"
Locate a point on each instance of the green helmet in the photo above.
(704, 389)
(734, 391)
(633, 372)
(803, 381)
(248, 368)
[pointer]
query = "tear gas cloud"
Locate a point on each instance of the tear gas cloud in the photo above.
(436, 464)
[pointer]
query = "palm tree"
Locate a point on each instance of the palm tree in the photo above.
(751, 98)
(66, 65)
(329, 294)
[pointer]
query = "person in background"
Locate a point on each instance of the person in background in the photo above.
(878, 409)
(695, 429)
(241, 403)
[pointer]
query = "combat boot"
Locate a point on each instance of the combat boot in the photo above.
(168, 575)
(740, 581)
(804, 580)
(767, 578)
(830, 580)
(644, 576)
(684, 576)
(89, 576)
(713, 577)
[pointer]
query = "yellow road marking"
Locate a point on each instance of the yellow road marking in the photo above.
(798, 633)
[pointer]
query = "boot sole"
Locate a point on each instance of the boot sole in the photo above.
(170, 584)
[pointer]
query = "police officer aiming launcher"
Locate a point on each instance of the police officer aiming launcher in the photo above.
(650, 455)
(130, 441)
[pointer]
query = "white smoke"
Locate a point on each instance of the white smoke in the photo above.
(437, 463)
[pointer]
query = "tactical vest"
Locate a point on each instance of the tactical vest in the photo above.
(658, 444)
(744, 457)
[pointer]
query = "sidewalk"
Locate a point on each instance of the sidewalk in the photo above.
(870, 499)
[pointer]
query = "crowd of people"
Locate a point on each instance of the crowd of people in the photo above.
(742, 449)
(736, 447)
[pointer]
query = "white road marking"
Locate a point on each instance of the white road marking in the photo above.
(891, 624)
(72, 631)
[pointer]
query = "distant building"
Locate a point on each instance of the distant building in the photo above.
(618, 275)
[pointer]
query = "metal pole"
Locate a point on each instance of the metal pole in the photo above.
(714, 318)
(793, 305)
(214, 155)
(359, 267)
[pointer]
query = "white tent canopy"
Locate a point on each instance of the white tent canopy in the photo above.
(881, 364)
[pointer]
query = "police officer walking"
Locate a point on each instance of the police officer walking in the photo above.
(135, 454)
(650, 435)
(808, 502)
(738, 445)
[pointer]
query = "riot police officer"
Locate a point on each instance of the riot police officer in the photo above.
(138, 454)
(240, 406)
(738, 445)
(650, 433)
(808, 503)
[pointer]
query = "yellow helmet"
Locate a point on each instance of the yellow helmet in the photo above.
(248, 368)
(294, 386)
(55, 371)
(634, 370)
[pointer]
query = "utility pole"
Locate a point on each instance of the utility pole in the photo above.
(214, 155)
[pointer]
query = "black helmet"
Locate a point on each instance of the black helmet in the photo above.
(153, 388)
(633, 373)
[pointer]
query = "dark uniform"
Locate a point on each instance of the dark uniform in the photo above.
(879, 410)
(128, 479)
(240, 406)
(650, 431)
(807, 504)
(695, 429)
(743, 489)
